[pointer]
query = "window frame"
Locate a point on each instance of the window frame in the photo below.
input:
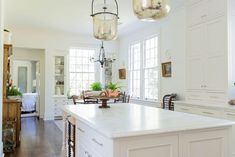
(96, 71)
(142, 68)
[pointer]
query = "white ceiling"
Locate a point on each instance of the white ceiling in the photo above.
(71, 16)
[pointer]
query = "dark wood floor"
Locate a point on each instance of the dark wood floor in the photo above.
(39, 139)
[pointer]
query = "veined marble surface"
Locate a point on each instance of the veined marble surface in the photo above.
(124, 120)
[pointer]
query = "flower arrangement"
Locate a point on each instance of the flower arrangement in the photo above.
(12, 91)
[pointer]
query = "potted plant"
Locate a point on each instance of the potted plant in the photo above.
(13, 93)
(112, 89)
(96, 88)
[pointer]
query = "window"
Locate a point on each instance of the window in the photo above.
(144, 69)
(151, 68)
(81, 69)
(134, 68)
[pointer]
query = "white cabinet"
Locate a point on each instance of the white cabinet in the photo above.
(59, 101)
(95, 144)
(215, 8)
(200, 11)
(200, 143)
(196, 13)
(59, 73)
(207, 51)
(163, 146)
(208, 111)
(205, 144)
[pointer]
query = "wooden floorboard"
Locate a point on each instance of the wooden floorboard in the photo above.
(38, 139)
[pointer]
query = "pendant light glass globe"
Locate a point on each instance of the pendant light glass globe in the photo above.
(105, 26)
(105, 21)
(151, 9)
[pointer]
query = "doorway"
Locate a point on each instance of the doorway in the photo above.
(26, 77)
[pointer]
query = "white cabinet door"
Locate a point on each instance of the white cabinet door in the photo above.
(195, 74)
(216, 37)
(150, 146)
(215, 8)
(182, 108)
(196, 41)
(205, 144)
(196, 13)
(216, 59)
(216, 75)
(195, 59)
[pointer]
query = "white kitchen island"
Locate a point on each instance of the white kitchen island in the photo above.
(130, 130)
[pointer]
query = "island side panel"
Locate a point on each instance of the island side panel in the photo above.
(214, 142)
(206, 143)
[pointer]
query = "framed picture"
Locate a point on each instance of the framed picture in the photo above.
(166, 69)
(122, 74)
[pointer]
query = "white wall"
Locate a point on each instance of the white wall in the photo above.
(1, 73)
(172, 32)
(53, 42)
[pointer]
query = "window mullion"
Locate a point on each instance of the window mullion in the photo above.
(142, 83)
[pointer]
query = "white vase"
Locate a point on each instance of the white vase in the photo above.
(7, 37)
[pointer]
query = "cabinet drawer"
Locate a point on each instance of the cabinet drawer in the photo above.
(186, 109)
(101, 144)
(96, 141)
(210, 113)
(195, 95)
(82, 132)
(216, 97)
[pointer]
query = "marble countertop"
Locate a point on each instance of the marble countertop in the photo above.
(124, 120)
(224, 106)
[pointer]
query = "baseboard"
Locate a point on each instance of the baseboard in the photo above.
(1, 149)
(48, 118)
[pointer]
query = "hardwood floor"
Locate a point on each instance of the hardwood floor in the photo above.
(39, 139)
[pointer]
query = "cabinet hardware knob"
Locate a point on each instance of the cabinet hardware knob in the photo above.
(208, 113)
(94, 140)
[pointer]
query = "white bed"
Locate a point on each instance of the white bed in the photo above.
(29, 101)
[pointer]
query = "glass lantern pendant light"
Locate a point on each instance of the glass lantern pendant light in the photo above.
(105, 22)
(150, 10)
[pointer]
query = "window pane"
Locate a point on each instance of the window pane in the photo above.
(134, 67)
(81, 70)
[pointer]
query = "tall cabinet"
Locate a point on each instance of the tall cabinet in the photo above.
(60, 83)
(208, 50)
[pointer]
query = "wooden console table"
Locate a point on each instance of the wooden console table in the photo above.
(12, 112)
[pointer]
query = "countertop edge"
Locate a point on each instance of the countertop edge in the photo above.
(147, 132)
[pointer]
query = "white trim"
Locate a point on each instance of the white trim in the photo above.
(1, 149)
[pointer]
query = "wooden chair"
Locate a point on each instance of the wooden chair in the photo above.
(167, 101)
(126, 99)
(75, 99)
(123, 97)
